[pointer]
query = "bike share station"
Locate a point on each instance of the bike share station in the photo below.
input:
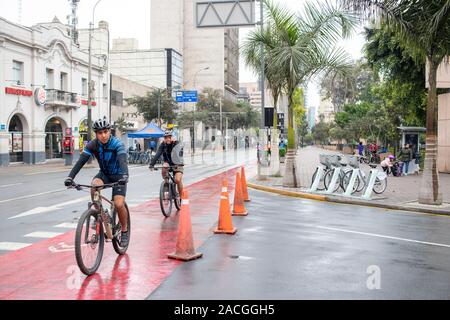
(332, 175)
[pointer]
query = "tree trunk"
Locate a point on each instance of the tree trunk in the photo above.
(290, 177)
(274, 149)
(429, 192)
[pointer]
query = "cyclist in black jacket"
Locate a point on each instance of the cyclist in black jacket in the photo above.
(111, 155)
(165, 150)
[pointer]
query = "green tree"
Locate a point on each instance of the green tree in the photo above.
(423, 27)
(157, 99)
(305, 46)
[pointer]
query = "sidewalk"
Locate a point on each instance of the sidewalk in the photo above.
(401, 192)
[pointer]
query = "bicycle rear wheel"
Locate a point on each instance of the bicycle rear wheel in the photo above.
(117, 231)
(176, 196)
(89, 242)
(165, 199)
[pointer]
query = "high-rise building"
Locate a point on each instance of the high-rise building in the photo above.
(158, 68)
(311, 117)
(210, 56)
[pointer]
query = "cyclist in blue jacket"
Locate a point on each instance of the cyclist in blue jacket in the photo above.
(111, 155)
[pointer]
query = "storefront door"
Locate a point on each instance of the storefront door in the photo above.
(15, 140)
(53, 139)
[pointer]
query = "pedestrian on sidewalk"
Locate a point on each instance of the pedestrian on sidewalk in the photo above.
(406, 156)
(360, 149)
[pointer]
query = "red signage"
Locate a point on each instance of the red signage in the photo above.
(84, 103)
(18, 92)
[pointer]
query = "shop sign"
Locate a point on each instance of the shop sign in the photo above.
(40, 96)
(19, 92)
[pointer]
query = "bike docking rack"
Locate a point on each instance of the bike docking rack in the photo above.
(341, 178)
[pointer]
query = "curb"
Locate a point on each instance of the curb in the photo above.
(324, 198)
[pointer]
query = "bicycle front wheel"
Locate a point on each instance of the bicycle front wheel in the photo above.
(89, 242)
(165, 199)
(321, 185)
(346, 180)
(380, 185)
(327, 181)
(118, 232)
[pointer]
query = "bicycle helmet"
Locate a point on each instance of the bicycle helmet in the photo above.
(101, 124)
(168, 133)
(391, 156)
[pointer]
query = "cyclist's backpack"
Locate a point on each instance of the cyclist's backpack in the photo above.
(177, 154)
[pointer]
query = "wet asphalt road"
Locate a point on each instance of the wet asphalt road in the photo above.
(35, 205)
(289, 248)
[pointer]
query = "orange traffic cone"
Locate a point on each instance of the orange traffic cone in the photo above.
(238, 205)
(185, 250)
(225, 224)
(244, 186)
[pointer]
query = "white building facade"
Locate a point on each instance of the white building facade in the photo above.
(43, 91)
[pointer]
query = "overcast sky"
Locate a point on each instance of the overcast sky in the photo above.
(132, 19)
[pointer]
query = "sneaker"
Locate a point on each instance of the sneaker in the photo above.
(124, 239)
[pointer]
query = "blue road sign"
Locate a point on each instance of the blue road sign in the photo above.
(186, 96)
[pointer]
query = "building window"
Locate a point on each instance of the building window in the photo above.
(49, 79)
(105, 91)
(117, 98)
(84, 87)
(18, 72)
(63, 81)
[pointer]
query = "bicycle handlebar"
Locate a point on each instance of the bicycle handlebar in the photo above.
(81, 186)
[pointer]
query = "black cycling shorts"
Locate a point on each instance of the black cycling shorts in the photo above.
(117, 190)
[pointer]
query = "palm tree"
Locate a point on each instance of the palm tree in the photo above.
(423, 26)
(303, 47)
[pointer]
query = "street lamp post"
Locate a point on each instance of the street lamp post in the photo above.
(195, 87)
(90, 86)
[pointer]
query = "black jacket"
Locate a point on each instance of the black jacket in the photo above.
(166, 151)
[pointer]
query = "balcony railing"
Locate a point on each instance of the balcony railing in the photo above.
(62, 98)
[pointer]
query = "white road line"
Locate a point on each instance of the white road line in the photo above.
(386, 237)
(11, 185)
(67, 225)
(42, 234)
(12, 246)
(55, 207)
(32, 195)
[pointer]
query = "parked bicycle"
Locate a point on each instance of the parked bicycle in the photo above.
(96, 224)
(362, 180)
(168, 193)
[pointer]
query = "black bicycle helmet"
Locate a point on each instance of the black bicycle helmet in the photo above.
(101, 124)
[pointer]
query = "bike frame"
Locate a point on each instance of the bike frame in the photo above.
(98, 200)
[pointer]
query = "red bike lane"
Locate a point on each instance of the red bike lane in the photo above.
(48, 270)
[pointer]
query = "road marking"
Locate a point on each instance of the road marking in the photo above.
(67, 225)
(12, 246)
(11, 185)
(386, 237)
(62, 247)
(38, 210)
(43, 234)
(32, 195)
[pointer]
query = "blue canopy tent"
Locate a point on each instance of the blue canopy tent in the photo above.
(150, 131)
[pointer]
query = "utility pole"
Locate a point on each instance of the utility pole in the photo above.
(220, 117)
(90, 85)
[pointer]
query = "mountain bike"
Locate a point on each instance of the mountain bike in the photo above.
(168, 193)
(95, 225)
